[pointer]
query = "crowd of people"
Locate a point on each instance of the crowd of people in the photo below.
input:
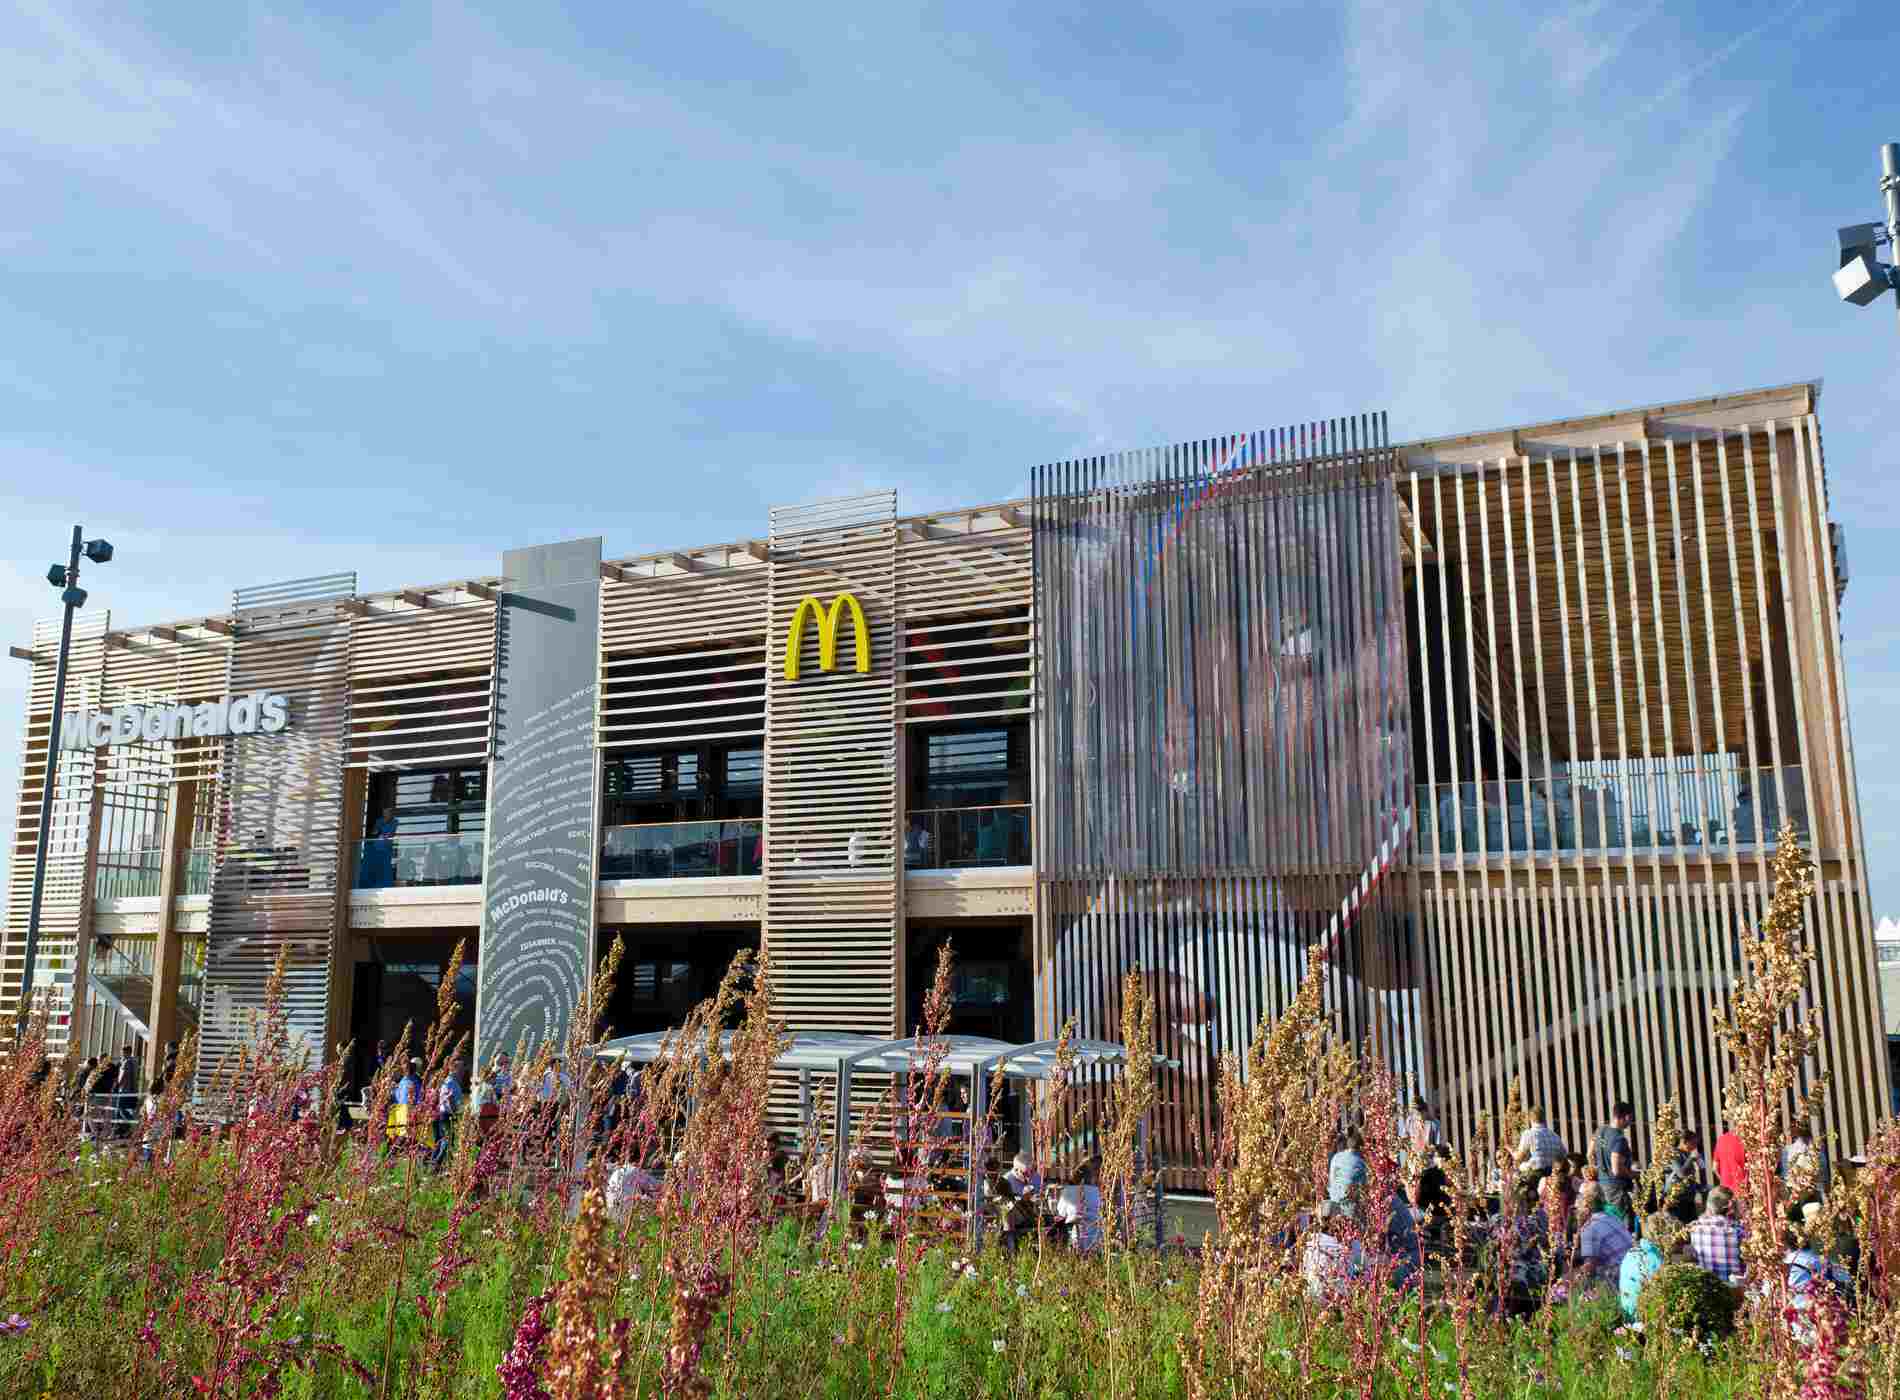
(1563, 1224)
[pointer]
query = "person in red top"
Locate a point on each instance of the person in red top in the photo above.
(1729, 1166)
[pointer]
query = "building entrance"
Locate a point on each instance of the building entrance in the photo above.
(989, 979)
(666, 971)
(398, 986)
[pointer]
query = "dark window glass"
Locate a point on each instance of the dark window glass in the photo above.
(428, 801)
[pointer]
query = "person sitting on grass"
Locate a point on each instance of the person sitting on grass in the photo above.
(1347, 1171)
(1602, 1241)
(1022, 1178)
(1079, 1207)
(1430, 1194)
(1016, 1217)
(1662, 1240)
(1715, 1240)
(1331, 1263)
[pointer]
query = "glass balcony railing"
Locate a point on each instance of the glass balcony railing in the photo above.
(435, 858)
(1666, 808)
(681, 850)
(949, 838)
(135, 874)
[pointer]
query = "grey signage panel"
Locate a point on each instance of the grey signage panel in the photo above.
(537, 945)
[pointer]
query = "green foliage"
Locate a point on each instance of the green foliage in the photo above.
(1681, 1298)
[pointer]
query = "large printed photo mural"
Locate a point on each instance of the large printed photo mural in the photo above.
(1225, 778)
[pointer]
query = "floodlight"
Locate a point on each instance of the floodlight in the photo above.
(57, 575)
(1861, 281)
(99, 551)
(74, 597)
(1859, 240)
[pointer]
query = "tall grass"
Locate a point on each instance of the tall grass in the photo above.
(272, 1254)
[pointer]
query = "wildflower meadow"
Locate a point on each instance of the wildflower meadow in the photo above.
(253, 1241)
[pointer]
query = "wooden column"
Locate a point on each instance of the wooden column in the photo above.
(340, 1008)
(162, 1016)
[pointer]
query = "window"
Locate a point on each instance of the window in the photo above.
(682, 785)
(986, 767)
(429, 801)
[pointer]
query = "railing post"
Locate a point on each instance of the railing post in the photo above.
(162, 1015)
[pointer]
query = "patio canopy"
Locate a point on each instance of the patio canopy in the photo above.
(828, 1052)
(844, 1054)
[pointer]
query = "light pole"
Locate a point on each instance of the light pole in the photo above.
(64, 577)
(1863, 278)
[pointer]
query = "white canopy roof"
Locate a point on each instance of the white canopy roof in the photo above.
(827, 1052)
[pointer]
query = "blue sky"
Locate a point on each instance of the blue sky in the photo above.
(394, 287)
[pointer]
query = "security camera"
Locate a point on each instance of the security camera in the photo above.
(1862, 280)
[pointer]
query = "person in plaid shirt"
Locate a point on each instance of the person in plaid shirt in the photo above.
(1715, 1241)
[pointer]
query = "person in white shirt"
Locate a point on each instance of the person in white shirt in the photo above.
(1080, 1208)
(1330, 1263)
(1538, 1147)
(1804, 1166)
(1419, 1134)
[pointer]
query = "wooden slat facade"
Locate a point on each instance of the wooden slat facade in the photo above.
(1602, 656)
(1651, 681)
(422, 683)
(833, 872)
(282, 856)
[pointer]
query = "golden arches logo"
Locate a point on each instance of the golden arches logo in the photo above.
(828, 620)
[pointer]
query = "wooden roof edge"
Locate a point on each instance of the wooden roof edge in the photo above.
(746, 553)
(1687, 417)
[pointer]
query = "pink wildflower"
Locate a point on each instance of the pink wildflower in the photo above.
(519, 1371)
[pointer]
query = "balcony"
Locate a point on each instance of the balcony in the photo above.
(1660, 809)
(135, 874)
(680, 850)
(954, 838)
(408, 862)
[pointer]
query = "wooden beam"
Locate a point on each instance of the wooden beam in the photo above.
(415, 598)
(165, 634)
(21, 654)
(685, 563)
(219, 626)
(477, 589)
(613, 573)
(162, 1013)
(759, 550)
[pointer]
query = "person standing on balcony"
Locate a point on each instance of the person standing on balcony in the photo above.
(378, 870)
(917, 844)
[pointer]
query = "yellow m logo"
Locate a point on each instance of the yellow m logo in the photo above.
(828, 619)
